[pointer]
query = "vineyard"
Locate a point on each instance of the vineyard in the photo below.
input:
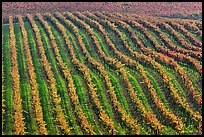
(100, 73)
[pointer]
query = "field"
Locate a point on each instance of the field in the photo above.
(86, 73)
(157, 9)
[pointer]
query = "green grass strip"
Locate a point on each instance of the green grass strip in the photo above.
(8, 92)
(60, 85)
(42, 88)
(73, 40)
(83, 99)
(139, 92)
(86, 42)
(66, 98)
(158, 90)
(107, 106)
(100, 91)
(24, 83)
(82, 58)
(194, 34)
(100, 42)
(119, 92)
(193, 75)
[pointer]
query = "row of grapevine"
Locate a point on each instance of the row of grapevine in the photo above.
(84, 69)
(96, 64)
(18, 117)
(195, 54)
(146, 51)
(72, 89)
(170, 53)
(178, 38)
(185, 58)
(186, 33)
(199, 24)
(164, 59)
(55, 98)
(154, 122)
(185, 24)
(103, 116)
(101, 73)
(121, 98)
(175, 121)
(116, 103)
(195, 115)
(158, 67)
(2, 80)
(33, 83)
(188, 83)
(193, 27)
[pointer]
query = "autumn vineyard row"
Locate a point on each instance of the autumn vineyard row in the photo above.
(101, 73)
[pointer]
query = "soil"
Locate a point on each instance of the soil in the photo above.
(141, 8)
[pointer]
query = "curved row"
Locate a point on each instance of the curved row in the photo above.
(159, 104)
(175, 55)
(150, 118)
(142, 58)
(164, 59)
(72, 71)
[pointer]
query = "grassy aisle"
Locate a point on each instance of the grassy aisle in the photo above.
(60, 84)
(24, 84)
(8, 93)
(62, 50)
(99, 38)
(43, 89)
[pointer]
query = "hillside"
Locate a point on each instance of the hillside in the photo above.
(85, 73)
(157, 9)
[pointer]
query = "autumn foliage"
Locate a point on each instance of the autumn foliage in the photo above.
(119, 74)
